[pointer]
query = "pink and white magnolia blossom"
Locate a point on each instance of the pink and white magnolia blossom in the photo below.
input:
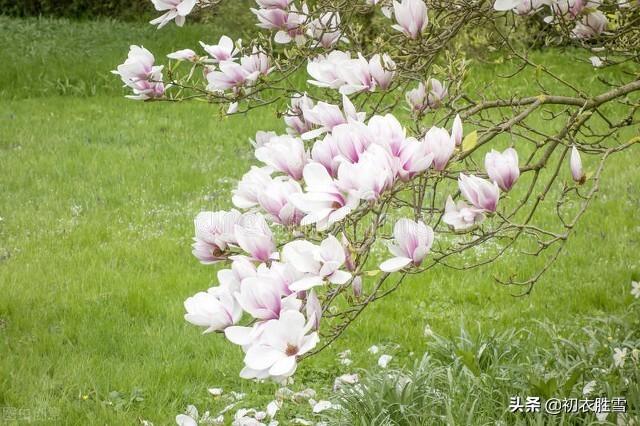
(294, 117)
(261, 298)
(591, 24)
(575, 163)
(323, 201)
(271, 18)
(281, 343)
(325, 151)
(230, 279)
(318, 263)
(225, 50)
(262, 138)
(273, 4)
(352, 140)
(280, 275)
(251, 185)
(214, 232)
(414, 158)
(215, 309)
(423, 97)
(255, 237)
(460, 215)
(411, 17)
(356, 75)
(231, 75)
(327, 116)
(314, 309)
(285, 154)
(324, 69)
(140, 74)
(176, 9)
(388, 132)
(413, 241)
(275, 201)
(293, 28)
(502, 168)
(484, 195)
(373, 174)
(521, 7)
(325, 29)
(183, 55)
(382, 69)
(441, 145)
(457, 132)
(258, 62)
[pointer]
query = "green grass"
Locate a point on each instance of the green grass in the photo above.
(98, 198)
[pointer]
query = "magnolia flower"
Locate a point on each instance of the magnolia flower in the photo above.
(352, 140)
(521, 7)
(416, 98)
(619, 356)
(461, 216)
(275, 201)
(413, 241)
(176, 9)
(260, 297)
(456, 130)
(437, 92)
(294, 118)
(324, 69)
(230, 279)
(356, 286)
(262, 138)
(216, 309)
(356, 75)
(281, 342)
(251, 186)
(273, 4)
(373, 174)
(411, 17)
(576, 166)
(255, 238)
(325, 152)
(225, 50)
(314, 309)
(271, 18)
(591, 25)
(503, 168)
(441, 145)
(319, 263)
(214, 231)
(387, 132)
(140, 74)
(292, 30)
(382, 69)
(328, 116)
(325, 29)
(183, 55)
(231, 75)
(257, 62)
(285, 154)
(484, 195)
(323, 201)
(413, 158)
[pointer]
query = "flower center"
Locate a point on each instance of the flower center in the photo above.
(291, 350)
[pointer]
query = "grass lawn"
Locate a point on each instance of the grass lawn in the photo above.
(98, 198)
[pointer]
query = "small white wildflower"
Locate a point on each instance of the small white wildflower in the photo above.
(383, 361)
(346, 361)
(345, 379)
(284, 393)
(344, 354)
(374, 349)
(304, 395)
(618, 356)
(233, 108)
(589, 387)
(238, 395)
(301, 421)
(427, 331)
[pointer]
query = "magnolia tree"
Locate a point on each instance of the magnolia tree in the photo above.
(385, 145)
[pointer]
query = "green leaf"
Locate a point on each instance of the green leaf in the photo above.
(470, 141)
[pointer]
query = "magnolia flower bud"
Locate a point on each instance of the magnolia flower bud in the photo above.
(314, 310)
(356, 286)
(576, 166)
(503, 168)
(484, 195)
